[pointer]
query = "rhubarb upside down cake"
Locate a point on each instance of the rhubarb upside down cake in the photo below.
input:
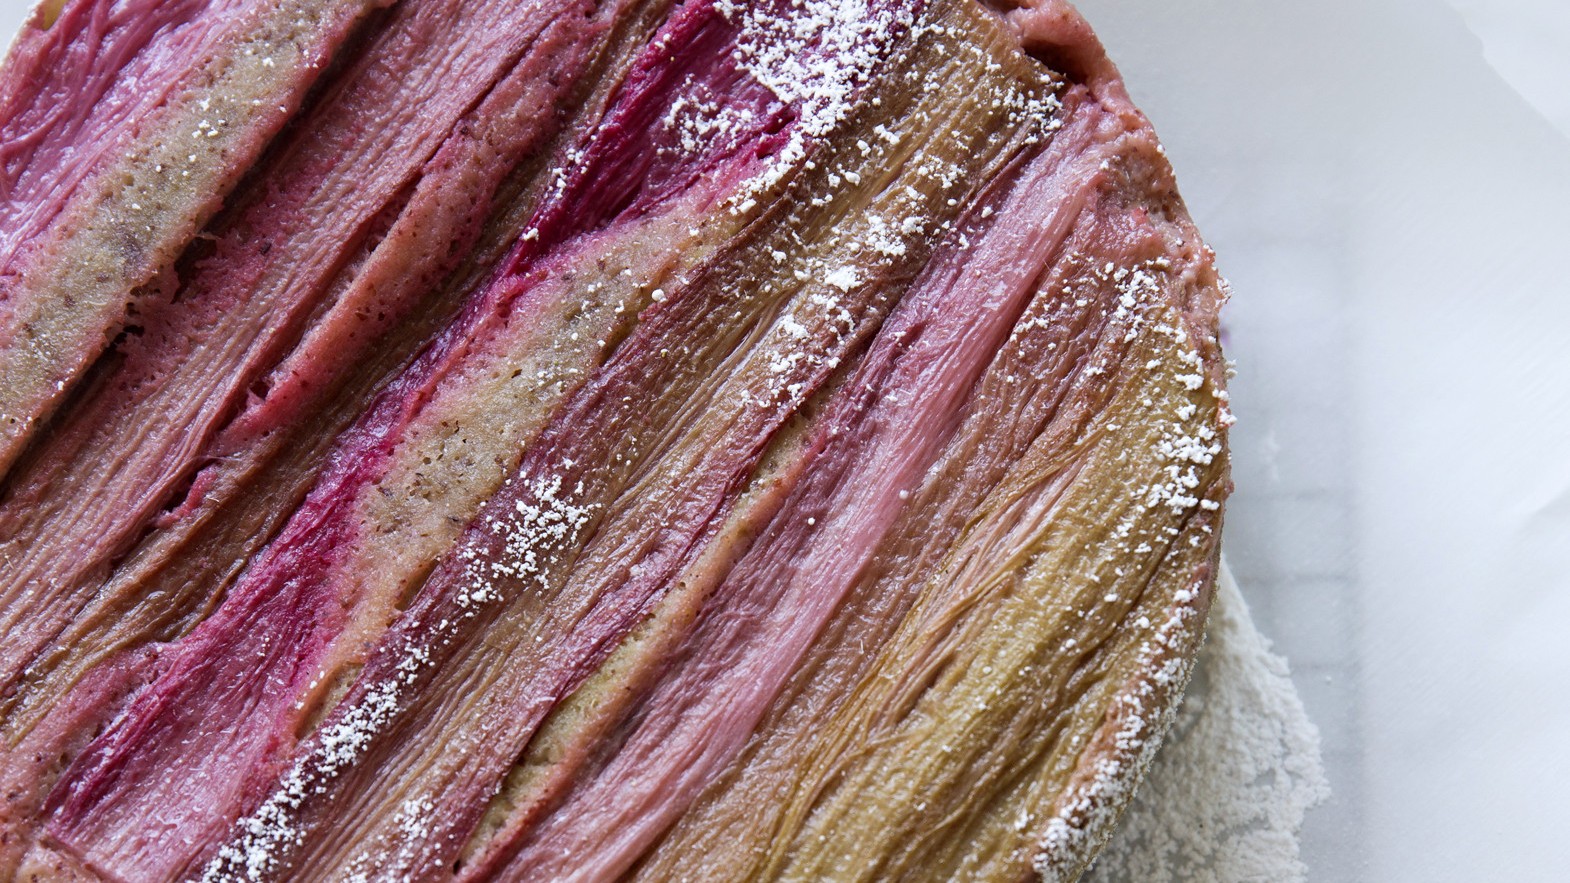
(590, 440)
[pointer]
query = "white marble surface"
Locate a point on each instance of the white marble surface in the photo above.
(1528, 43)
(1386, 187)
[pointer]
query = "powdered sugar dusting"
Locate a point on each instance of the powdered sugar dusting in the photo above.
(1186, 442)
(816, 58)
(542, 525)
(411, 824)
(268, 833)
(1227, 795)
(1086, 813)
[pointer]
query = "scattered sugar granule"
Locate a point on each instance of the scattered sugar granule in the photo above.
(1227, 794)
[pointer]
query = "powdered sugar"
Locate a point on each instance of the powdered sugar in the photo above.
(1226, 796)
(540, 527)
(816, 59)
(1146, 713)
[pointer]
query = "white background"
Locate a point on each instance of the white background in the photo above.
(1387, 184)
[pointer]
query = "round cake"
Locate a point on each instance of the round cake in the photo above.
(590, 440)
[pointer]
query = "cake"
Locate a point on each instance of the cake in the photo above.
(552, 439)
